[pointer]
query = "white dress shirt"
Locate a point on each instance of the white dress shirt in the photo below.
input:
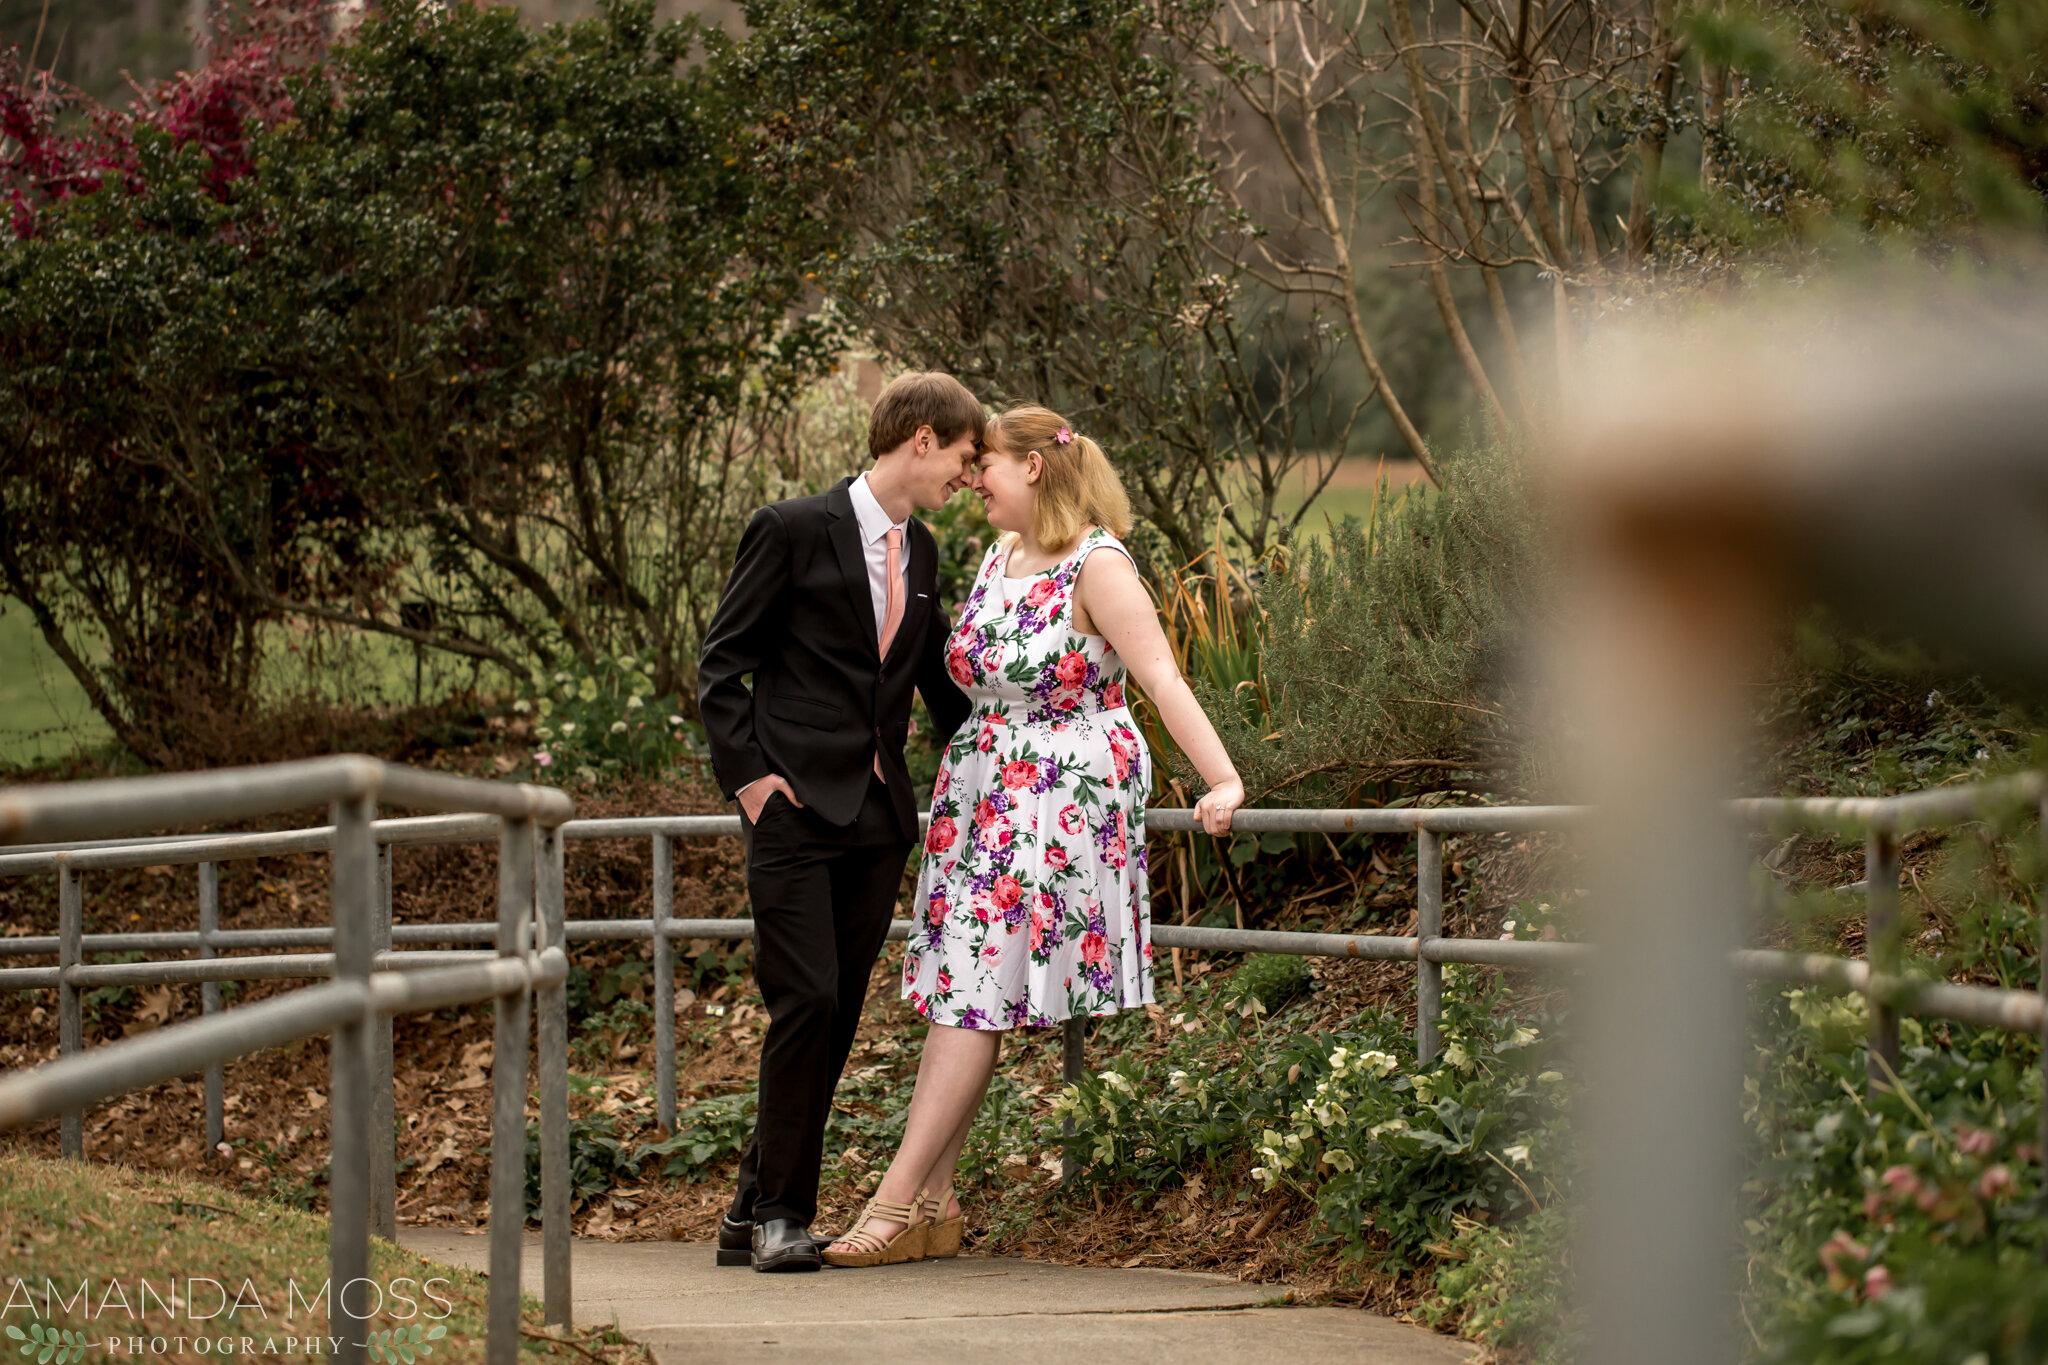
(874, 540)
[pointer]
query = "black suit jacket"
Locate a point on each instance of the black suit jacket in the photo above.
(798, 617)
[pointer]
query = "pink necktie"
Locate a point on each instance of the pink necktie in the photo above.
(892, 615)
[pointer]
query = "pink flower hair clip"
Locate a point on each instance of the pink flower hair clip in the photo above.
(1062, 436)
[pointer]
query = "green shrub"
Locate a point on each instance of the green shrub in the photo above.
(1387, 655)
(593, 723)
(1389, 1152)
(1272, 979)
(1905, 1227)
(707, 1132)
(1511, 1287)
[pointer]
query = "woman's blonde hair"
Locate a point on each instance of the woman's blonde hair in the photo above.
(1077, 486)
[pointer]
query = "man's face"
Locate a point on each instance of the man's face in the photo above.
(941, 468)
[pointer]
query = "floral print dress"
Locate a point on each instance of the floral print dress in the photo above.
(1031, 901)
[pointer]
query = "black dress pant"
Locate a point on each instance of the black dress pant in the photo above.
(822, 898)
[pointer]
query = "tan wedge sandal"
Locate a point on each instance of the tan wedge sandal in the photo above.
(942, 1234)
(872, 1248)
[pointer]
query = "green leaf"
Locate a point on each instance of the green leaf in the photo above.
(49, 1349)
(16, 1332)
(440, 1330)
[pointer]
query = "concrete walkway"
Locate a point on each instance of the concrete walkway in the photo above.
(982, 1310)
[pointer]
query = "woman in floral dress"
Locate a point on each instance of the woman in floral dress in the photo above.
(1031, 902)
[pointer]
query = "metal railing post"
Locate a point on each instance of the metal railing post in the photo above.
(1881, 949)
(70, 1020)
(556, 1294)
(1429, 924)
(664, 985)
(510, 1016)
(209, 999)
(353, 882)
(383, 1103)
(1073, 1065)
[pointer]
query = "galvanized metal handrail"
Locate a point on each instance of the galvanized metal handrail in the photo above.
(355, 1007)
(1882, 819)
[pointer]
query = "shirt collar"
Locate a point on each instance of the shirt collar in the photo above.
(867, 510)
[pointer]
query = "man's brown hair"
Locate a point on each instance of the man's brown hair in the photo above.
(923, 398)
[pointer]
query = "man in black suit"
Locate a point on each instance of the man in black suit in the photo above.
(832, 608)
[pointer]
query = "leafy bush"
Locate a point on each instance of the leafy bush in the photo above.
(598, 1157)
(1272, 979)
(707, 1132)
(1389, 1152)
(1511, 1287)
(596, 721)
(1907, 1227)
(1387, 657)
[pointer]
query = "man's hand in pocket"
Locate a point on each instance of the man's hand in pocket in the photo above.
(755, 795)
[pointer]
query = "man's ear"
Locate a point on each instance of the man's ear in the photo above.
(925, 438)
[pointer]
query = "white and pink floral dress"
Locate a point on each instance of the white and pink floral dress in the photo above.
(1031, 900)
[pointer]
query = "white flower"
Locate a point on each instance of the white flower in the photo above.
(1380, 1063)
(522, 706)
(1519, 1154)
(1523, 1037)
(543, 732)
(568, 727)
(586, 773)
(1455, 1055)
(675, 720)
(618, 727)
(1508, 925)
(1550, 1078)
(633, 703)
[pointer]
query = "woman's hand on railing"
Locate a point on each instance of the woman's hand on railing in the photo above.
(1218, 804)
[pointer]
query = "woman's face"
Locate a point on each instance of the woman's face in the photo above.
(1005, 486)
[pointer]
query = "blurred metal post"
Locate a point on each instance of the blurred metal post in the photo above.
(209, 999)
(383, 1104)
(664, 985)
(1881, 950)
(1429, 924)
(70, 1020)
(1670, 601)
(353, 894)
(553, 1004)
(511, 1015)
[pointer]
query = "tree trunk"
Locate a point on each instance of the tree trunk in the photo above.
(1440, 282)
(1650, 143)
(1468, 213)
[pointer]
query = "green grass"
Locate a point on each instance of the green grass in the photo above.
(43, 711)
(69, 1222)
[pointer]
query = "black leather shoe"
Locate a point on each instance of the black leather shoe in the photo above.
(736, 1241)
(785, 1244)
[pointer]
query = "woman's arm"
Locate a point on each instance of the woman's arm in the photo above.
(1108, 596)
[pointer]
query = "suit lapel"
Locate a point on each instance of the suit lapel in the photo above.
(917, 602)
(844, 534)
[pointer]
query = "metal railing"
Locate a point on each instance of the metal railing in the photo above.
(1883, 821)
(354, 1007)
